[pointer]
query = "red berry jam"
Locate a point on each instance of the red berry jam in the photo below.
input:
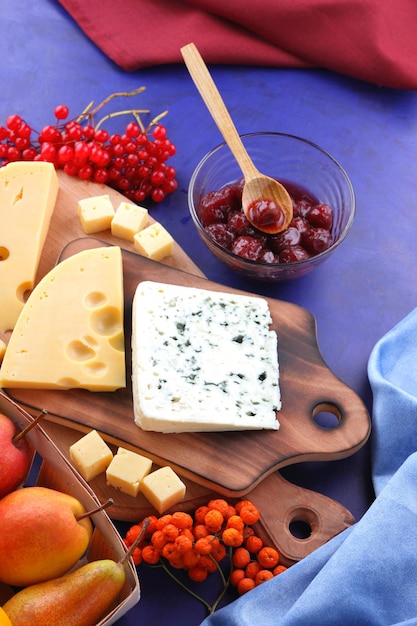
(309, 233)
(266, 215)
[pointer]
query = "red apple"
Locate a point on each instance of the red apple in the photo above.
(15, 458)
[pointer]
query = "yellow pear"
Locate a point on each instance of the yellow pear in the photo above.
(80, 598)
(41, 537)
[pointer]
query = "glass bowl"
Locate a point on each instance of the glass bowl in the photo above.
(287, 158)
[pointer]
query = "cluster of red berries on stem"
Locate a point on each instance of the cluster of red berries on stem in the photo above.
(220, 537)
(134, 162)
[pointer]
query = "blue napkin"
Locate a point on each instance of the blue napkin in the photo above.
(367, 574)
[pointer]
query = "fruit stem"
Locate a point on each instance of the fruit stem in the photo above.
(134, 112)
(118, 94)
(137, 541)
(29, 427)
(109, 502)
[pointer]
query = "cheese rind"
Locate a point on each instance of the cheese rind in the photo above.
(126, 471)
(70, 333)
(163, 488)
(95, 213)
(128, 220)
(90, 455)
(154, 242)
(28, 191)
(202, 360)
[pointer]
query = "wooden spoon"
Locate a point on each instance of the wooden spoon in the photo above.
(265, 202)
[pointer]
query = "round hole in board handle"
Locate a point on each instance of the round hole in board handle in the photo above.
(327, 416)
(302, 522)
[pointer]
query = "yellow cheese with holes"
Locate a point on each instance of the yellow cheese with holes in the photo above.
(70, 333)
(91, 455)
(126, 471)
(128, 220)
(154, 242)
(95, 213)
(163, 488)
(28, 192)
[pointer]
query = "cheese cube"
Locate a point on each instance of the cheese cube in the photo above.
(154, 242)
(95, 213)
(163, 488)
(128, 220)
(2, 349)
(126, 471)
(90, 455)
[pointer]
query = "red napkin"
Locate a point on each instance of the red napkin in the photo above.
(372, 40)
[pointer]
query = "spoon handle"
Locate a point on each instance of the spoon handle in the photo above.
(214, 103)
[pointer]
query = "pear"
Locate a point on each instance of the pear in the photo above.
(43, 534)
(80, 598)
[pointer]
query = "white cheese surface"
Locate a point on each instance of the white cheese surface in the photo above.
(203, 360)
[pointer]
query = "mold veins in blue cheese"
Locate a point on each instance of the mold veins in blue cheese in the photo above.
(203, 360)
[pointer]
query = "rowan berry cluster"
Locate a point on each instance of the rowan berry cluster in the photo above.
(199, 543)
(134, 162)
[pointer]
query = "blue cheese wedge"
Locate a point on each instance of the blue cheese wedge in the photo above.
(203, 360)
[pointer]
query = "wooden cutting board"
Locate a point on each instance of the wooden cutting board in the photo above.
(232, 464)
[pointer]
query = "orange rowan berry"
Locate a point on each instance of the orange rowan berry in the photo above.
(170, 532)
(213, 520)
(262, 576)
(242, 503)
(252, 569)
(245, 585)
(219, 505)
(279, 569)
(241, 557)
(163, 521)
(190, 559)
(218, 551)
(202, 546)
(176, 560)
(169, 550)
(249, 514)
(253, 544)
(230, 511)
(158, 540)
(150, 554)
(232, 537)
(152, 525)
(197, 574)
(236, 576)
(187, 532)
(235, 521)
(208, 563)
(137, 556)
(132, 533)
(200, 530)
(182, 520)
(183, 544)
(200, 514)
(268, 557)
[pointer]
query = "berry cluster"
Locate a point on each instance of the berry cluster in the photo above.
(199, 543)
(134, 162)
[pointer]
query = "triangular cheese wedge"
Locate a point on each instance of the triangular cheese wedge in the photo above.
(28, 191)
(70, 333)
